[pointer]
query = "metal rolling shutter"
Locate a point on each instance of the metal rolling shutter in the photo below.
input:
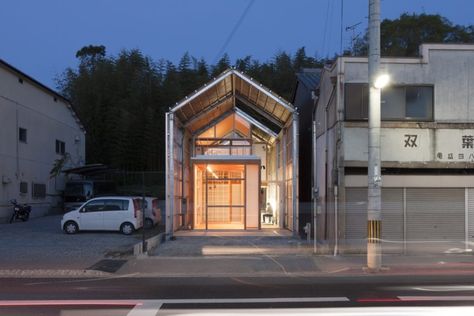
(356, 218)
(435, 219)
(470, 220)
(392, 219)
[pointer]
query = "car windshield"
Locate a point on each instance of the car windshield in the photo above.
(238, 157)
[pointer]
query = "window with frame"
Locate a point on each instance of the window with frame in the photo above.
(94, 206)
(38, 190)
(116, 205)
(60, 147)
(22, 134)
(409, 102)
(23, 187)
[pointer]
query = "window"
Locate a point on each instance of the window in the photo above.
(357, 100)
(60, 147)
(23, 187)
(397, 102)
(94, 206)
(116, 205)
(39, 190)
(22, 135)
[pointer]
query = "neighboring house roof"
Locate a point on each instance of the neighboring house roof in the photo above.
(232, 90)
(309, 77)
(43, 87)
(88, 170)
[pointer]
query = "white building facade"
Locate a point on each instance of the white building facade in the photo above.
(427, 149)
(38, 126)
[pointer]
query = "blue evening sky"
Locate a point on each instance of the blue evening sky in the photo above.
(40, 37)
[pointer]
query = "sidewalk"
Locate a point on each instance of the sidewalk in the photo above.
(260, 256)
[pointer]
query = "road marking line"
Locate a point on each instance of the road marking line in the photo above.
(445, 288)
(155, 303)
(436, 298)
(147, 308)
(68, 302)
(257, 300)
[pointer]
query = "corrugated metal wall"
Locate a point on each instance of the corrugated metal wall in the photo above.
(392, 219)
(470, 204)
(435, 219)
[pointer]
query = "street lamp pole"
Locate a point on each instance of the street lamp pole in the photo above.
(374, 213)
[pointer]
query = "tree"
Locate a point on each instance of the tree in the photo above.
(402, 36)
(221, 66)
(122, 99)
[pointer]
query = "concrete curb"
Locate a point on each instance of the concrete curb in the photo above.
(50, 273)
(151, 243)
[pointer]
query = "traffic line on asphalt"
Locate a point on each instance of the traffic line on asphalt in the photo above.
(419, 298)
(12, 303)
(257, 300)
(437, 298)
(26, 303)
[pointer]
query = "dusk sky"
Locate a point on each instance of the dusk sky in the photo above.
(42, 37)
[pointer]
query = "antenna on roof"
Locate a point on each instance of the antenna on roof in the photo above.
(354, 36)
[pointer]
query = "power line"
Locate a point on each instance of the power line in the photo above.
(325, 29)
(342, 21)
(231, 35)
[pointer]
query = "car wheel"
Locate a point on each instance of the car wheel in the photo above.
(71, 227)
(148, 223)
(127, 228)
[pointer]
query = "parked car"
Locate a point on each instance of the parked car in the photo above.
(152, 211)
(105, 213)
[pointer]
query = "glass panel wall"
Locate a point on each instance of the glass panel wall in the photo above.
(219, 196)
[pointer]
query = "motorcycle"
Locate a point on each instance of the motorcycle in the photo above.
(20, 211)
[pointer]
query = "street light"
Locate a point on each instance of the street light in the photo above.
(374, 192)
(382, 81)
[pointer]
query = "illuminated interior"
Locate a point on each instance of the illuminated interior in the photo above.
(221, 200)
(228, 147)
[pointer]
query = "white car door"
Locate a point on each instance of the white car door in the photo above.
(115, 213)
(92, 216)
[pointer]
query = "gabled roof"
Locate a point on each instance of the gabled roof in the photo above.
(309, 77)
(232, 89)
(43, 87)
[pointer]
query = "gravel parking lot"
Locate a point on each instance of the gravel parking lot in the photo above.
(41, 244)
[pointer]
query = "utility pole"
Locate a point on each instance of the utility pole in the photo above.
(374, 212)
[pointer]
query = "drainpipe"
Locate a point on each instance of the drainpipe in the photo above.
(170, 174)
(315, 176)
(183, 204)
(17, 147)
(336, 222)
(295, 171)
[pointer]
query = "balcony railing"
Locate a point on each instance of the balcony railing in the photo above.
(223, 146)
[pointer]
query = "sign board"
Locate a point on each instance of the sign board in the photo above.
(413, 145)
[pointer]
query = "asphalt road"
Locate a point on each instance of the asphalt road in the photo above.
(258, 292)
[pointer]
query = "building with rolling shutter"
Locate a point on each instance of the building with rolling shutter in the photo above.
(427, 149)
(38, 126)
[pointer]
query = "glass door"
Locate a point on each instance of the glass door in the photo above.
(219, 196)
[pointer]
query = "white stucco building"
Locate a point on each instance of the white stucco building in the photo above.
(427, 152)
(37, 126)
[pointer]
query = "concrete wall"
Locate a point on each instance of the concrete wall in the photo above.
(412, 144)
(46, 119)
(450, 68)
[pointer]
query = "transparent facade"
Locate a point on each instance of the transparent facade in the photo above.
(230, 149)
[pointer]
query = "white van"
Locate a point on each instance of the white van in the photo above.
(105, 213)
